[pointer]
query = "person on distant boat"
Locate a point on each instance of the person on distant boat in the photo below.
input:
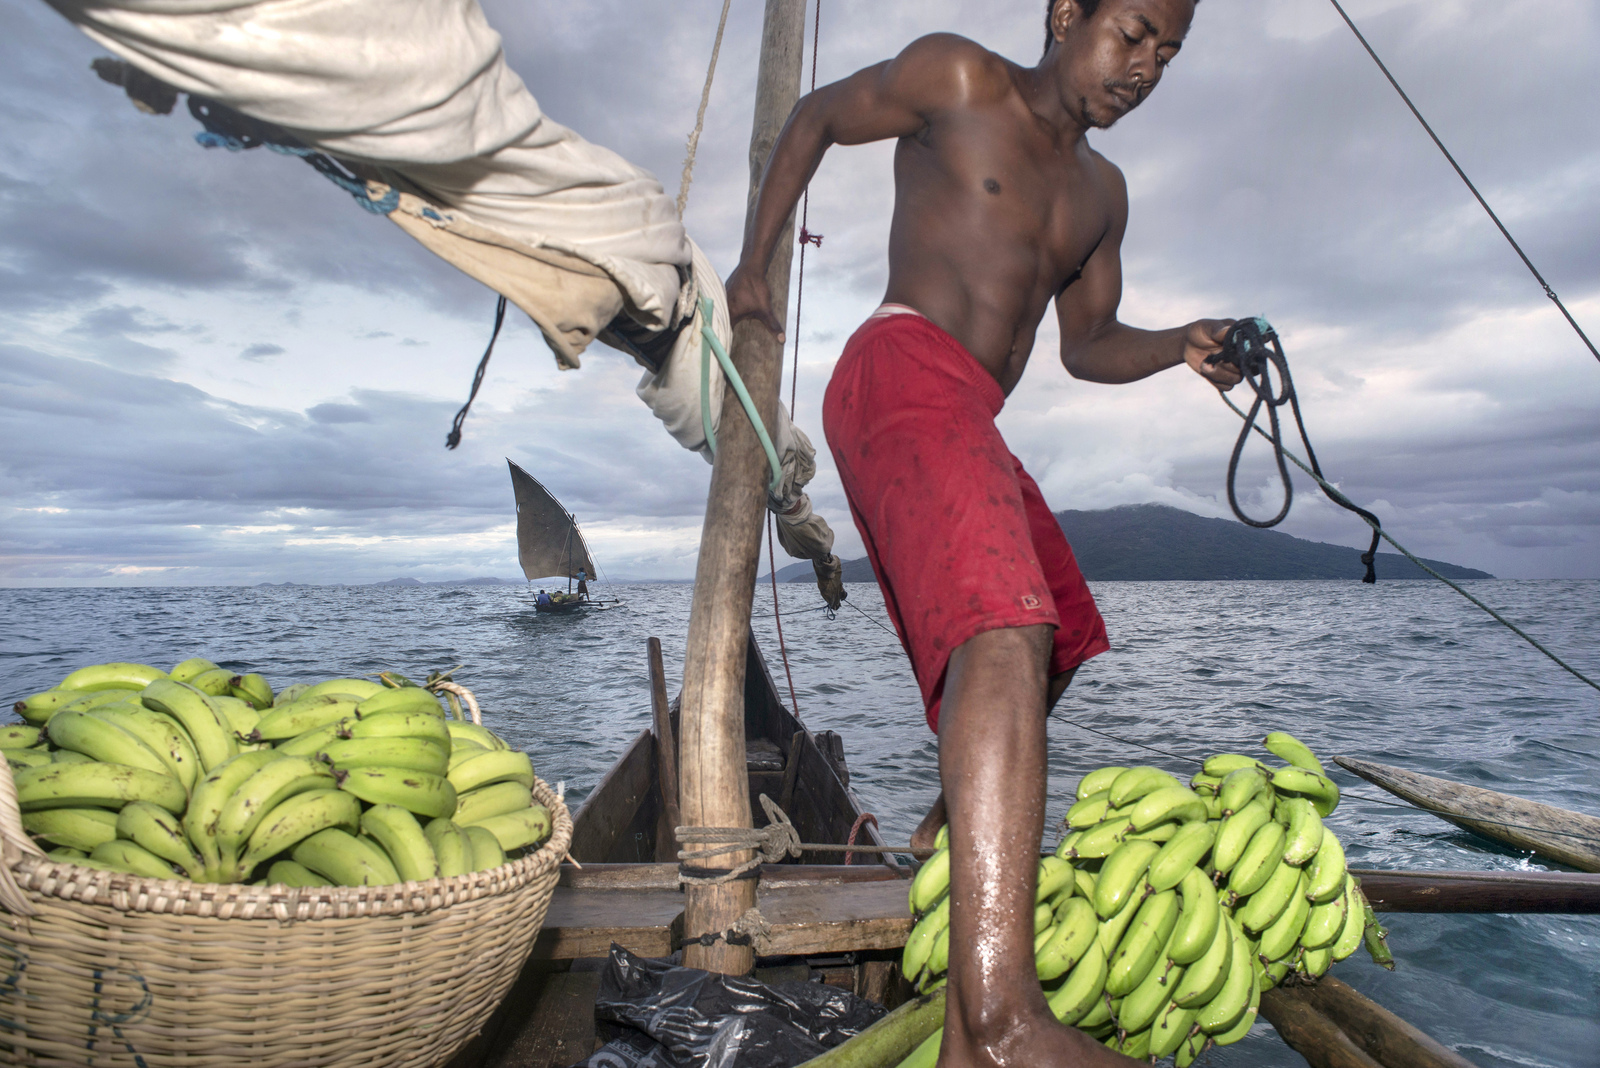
(583, 585)
(1001, 206)
(544, 598)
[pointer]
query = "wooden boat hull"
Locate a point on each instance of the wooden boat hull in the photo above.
(624, 819)
(1568, 837)
(559, 607)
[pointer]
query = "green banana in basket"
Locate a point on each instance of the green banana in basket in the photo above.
(127, 856)
(403, 839)
(105, 741)
(486, 852)
(210, 794)
(416, 754)
(401, 725)
(162, 734)
(402, 699)
(516, 830)
(461, 730)
(160, 833)
(275, 782)
(74, 828)
(18, 736)
(119, 676)
(293, 821)
(207, 728)
(253, 688)
(95, 786)
(451, 847)
(486, 801)
(188, 669)
(286, 721)
(288, 873)
(344, 859)
(486, 769)
(415, 791)
(360, 689)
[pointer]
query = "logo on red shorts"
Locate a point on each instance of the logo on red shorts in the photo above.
(1029, 601)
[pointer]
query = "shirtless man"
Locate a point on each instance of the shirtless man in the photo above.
(1000, 207)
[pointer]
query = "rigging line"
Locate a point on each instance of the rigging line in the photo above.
(777, 617)
(874, 622)
(1125, 741)
(806, 236)
(1384, 534)
(1548, 291)
(700, 115)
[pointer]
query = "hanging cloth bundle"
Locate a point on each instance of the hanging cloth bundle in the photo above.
(1253, 347)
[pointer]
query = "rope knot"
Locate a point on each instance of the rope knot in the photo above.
(771, 843)
(809, 238)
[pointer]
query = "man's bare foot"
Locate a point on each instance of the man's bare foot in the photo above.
(1039, 1042)
(928, 829)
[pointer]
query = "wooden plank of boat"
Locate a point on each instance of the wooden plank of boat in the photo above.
(1382, 1035)
(1568, 837)
(1569, 893)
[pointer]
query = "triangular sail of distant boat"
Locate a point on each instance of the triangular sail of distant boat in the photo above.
(549, 542)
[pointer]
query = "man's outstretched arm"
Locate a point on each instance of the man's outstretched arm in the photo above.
(892, 99)
(1097, 348)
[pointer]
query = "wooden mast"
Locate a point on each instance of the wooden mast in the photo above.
(715, 782)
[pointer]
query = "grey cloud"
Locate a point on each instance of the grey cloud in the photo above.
(1273, 171)
(261, 350)
(339, 413)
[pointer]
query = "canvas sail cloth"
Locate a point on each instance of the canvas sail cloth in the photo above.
(548, 540)
(417, 99)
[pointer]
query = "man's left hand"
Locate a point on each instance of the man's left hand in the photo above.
(1204, 340)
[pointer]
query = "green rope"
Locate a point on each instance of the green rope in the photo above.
(708, 345)
(1384, 534)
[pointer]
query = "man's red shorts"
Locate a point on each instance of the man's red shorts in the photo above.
(959, 535)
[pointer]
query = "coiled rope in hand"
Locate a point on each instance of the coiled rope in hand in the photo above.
(1253, 347)
(1265, 398)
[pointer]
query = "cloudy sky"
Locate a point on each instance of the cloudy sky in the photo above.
(215, 368)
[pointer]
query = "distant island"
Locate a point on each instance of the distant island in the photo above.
(1155, 542)
(484, 581)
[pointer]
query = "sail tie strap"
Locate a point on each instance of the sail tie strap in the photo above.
(709, 344)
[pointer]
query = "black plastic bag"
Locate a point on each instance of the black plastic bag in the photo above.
(705, 1020)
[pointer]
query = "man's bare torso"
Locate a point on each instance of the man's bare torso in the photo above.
(993, 215)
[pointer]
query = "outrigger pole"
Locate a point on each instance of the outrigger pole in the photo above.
(715, 789)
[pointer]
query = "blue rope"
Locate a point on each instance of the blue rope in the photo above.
(708, 345)
(227, 129)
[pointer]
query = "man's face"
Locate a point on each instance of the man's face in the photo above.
(1113, 59)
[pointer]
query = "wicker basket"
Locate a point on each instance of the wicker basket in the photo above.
(105, 969)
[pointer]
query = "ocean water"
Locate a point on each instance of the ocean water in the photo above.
(1405, 673)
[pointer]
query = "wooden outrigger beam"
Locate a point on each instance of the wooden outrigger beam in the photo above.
(714, 785)
(1567, 837)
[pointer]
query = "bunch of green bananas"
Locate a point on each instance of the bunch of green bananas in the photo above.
(1168, 909)
(203, 774)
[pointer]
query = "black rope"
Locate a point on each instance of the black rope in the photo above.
(1125, 741)
(1548, 291)
(454, 437)
(1253, 347)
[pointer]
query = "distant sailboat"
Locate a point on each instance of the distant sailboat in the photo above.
(549, 544)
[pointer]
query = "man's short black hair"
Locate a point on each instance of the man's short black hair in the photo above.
(1088, 7)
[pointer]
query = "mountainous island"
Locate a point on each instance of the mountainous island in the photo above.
(1155, 542)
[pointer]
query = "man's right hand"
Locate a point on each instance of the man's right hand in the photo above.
(749, 297)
